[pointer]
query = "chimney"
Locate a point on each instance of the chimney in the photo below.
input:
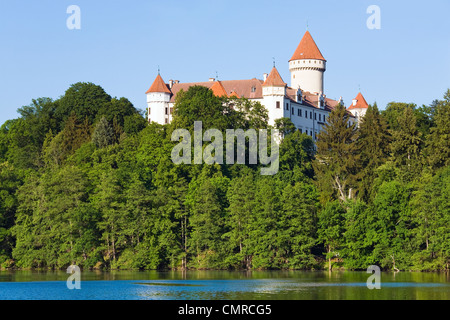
(212, 79)
(176, 81)
(170, 83)
(265, 75)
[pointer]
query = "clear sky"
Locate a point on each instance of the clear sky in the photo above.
(121, 44)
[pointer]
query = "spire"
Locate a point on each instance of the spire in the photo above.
(359, 102)
(158, 85)
(307, 49)
(274, 79)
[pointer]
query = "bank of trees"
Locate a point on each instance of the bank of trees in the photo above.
(85, 180)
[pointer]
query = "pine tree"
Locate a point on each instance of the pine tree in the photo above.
(438, 142)
(337, 160)
(406, 146)
(104, 134)
(373, 142)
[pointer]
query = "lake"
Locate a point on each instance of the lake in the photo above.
(220, 285)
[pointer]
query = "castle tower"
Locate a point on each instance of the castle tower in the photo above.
(359, 107)
(274, 92)
(158, 97)
(307, 66)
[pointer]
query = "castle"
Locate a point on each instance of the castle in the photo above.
(304, 101)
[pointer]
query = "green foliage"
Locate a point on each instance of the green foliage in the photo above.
(406, 146)
(85, 180)
(104, 134)
(438, 143)
(337, 161)
(374, 146)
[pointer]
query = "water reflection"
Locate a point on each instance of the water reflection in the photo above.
(255, 285)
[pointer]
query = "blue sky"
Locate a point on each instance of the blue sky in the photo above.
(121, 44)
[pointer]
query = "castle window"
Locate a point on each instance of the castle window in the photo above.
(292, 110)
(315, 116)
(253, 89)
(310, 114)
(149, 111)
(278, 104)
(166, 121)
(320, 117)
(287, 106)
(306, 131)
(167, 110)
(301, 131)
(299, 112)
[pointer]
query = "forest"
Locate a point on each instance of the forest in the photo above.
(85, 180)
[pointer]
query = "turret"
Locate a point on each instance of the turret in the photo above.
(274, 92)
(359, 107)
(307, 66)
(158, 97)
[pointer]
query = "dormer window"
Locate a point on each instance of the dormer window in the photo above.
(253, 89)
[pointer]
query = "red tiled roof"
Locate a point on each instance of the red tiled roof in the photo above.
(218, 89)
(361, 103)
(250, 89)
(274, 79)
(233, 94)
(158, 86)
(307, 49)
(311, 99)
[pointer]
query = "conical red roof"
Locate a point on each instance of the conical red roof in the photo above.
(307, 49)
(158, 86)
(361, 103)
(274, 79)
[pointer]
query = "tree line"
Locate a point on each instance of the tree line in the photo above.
(85, 180)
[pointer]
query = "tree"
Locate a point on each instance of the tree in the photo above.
(374, 145)
(337, 160)
(199, 103)
(297, 225)
(438, 142)
(85, 100)
(331, 228)
(296, 156)
(390, 226)
(206, 222)
(241, 196)
(431, 215)
(406, 146)
(285, 126)
(104, 134)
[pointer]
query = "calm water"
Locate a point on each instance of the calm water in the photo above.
(270, 285)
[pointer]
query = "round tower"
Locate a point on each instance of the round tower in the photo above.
(307, 66)
(158, 98)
